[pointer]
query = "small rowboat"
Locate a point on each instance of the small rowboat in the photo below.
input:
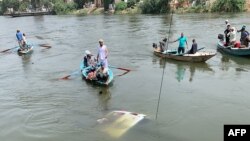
(197, 57)
(26, 51)
(233, 51)
(85, 71)
(117, 123)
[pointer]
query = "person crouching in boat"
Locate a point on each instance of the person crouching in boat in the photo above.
(88, 61)
(161, 47)
(19, 36)
(194, 47)
(163, 44)
(102, 72)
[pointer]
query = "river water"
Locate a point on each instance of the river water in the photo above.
(196, 99)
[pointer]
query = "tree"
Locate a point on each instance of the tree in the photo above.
(10, 4)
(36, 3)
(228, 6)
(80, 3)
(106, 4)
(155, 6)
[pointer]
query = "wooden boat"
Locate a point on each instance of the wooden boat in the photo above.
(85, 70)
(232, 50)
(197, 57)
(117, 123)
(26, 51)
(36, 13)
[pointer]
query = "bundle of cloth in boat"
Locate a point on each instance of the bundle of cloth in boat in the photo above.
(98, 72)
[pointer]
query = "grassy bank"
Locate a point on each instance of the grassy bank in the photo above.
(98, 11)
(88, 11)
(132, 11)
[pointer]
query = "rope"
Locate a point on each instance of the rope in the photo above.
(163, 72)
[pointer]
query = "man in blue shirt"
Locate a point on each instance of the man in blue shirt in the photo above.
(182, 40)
(19, 36)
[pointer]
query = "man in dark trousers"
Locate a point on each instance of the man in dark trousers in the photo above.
(226, 32)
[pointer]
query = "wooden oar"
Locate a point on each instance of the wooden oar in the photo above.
(68, 76)
(45, 45)
(126, 70)
(8, 49)
(39, 37)
(120, 68)
(123, 73)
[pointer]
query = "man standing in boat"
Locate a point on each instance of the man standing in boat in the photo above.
(227, 35)
(19, 36)
(182, 41)
(102, 55)
(244, 36)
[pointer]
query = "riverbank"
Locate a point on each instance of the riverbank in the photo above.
(97, 11)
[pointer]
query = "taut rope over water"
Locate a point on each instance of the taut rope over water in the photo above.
(163, 72)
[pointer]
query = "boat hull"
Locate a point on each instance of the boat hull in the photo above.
(96, 82)
(29, 50)
(197, 57)
(233, 51)
(38, 13)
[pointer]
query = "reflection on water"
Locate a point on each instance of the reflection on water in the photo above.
(181, 68)
(229, 61)
(25, 57)
(226, 58)
(192, 67)
(104, 97)
(180, 72)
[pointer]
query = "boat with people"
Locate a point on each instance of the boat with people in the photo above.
(85, 71)
(197, 57)
(193, 55)
(27, 50)
(35, 13)
(231, 49)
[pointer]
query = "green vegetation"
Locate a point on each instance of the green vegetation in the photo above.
(229, 6)
(64, 8)
(120, 6)
(131, 7)
(106, 4)
(10, 4)
(194, 9)
(1, 11)
(23, 6)
(155, 6)
(131, 3)
(80, 3)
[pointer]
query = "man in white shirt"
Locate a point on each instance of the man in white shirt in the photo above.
(232, 35)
